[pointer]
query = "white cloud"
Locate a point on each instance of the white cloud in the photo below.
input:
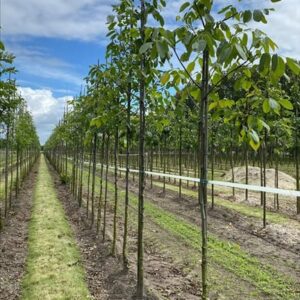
(36, 62)
(69, 19)
(284, 27)
(45, 108)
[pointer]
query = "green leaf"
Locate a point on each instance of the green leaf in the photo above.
(145, 47)
(274, 62)
(2, 47)
(110, 19)
(295, 68)
(241, 52)
(254, 136)
(196, 94)
(165, 78)
(246, 84)
(212, 105)
(264, 63)
(157, 16)
(190, 67)
(185, 56)
(258, 15)
(280, 69)
(247, 16)
(184, 6)
(254, 146)
(286, 104)
(274, 104)
(266, 106)
(199, 45)
(162, 49)
(224, 54)
(247, 72)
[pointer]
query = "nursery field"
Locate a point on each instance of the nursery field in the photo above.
(174, 174)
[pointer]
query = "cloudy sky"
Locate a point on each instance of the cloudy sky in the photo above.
(55, 41)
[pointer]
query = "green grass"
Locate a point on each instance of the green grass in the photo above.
(227, 254)
(224, 253)
(53, 267)
(244, 209)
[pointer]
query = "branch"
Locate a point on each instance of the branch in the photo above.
(186, 71)
(245, 63)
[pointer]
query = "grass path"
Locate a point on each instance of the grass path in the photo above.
(53, 267)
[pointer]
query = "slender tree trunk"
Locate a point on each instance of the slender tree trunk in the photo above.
(247, 171)
(264, 149)
(11, 177)
(17, 175)
(180, 159)
(81, 176)
(6, 170)
(101, 185)
(297, 159)
(116, 149)
(128, 143)
(93, 179)
(231, 162)
(203, 157)
(261, 176)
(164, 163)
(212, 172)
(140, 246)
(89, 180)
(151, 166)
(106, 181)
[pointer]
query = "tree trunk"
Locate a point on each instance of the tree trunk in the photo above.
(297, 159)
(116, 149)
(180, 159)
(101, 185)
(140, 246)
(93, 179)
(264, 149)
(128, 142)
(89, 180)
(6, 171)
(203, 157)
(106, 180)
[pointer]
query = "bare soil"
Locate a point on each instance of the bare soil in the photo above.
(285, 181)
(13, 241)
(105, 274)
(278, 242)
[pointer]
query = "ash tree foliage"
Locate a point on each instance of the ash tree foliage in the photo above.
(230, 81)
(19, 143)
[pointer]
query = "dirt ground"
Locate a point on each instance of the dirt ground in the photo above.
(174, 283)
(278, 242)
(106, 276)
(13, 241)
(171, 269)
(287, 204)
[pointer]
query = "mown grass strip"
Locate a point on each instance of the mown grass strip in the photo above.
(53, 267)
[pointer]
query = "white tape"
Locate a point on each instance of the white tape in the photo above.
(256, 188)
(250, 187)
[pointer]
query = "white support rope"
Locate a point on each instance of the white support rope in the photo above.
(250, 187)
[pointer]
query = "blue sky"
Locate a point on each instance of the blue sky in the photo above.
(55, 41)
